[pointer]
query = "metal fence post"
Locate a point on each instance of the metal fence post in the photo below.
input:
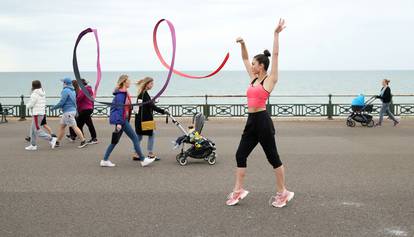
(206, 108)
(22, 109)
(392, 108)
(269, 107)
(330, 107)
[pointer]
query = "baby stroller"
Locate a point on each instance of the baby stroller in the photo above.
(200, 147)
(360, 112)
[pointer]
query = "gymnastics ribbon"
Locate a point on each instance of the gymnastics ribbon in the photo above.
(98, 66)
(157, 51)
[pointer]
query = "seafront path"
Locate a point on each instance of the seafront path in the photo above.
(348, 182)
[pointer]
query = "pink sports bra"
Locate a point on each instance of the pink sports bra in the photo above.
(257, 95)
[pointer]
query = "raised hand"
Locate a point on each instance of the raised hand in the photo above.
(240, 40)
(281, 26)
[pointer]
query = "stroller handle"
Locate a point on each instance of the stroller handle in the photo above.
(370, 100)
(177, 124)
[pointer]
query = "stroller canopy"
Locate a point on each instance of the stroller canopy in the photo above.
(359, 101)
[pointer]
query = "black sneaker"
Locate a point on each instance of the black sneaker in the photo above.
(57, 144)
(27, 139)
(70, 138)
(154, 157)
(93, 141)
(83, 144)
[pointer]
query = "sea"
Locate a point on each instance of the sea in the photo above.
(226, 87)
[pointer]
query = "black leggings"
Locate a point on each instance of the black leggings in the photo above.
(259, 129)
(84, 117)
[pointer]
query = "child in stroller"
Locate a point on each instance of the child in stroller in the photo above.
(200, 147)
(360, 112)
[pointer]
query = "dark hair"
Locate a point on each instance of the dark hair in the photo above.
(75, 85)
(263, 58)
(36, 85)
(84, 81)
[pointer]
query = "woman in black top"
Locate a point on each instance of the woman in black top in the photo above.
(385, 96)
(144, 113)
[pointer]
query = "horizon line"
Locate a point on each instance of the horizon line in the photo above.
(287, 70)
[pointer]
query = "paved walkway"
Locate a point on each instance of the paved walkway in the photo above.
(348, 182)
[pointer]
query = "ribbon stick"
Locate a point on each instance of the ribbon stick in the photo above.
(157, 51)
(99, 72)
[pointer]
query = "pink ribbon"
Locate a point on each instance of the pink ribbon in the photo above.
(157, 51)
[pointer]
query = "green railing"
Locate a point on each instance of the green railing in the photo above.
(328, 109)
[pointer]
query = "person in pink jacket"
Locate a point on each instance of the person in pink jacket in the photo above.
(85, 110)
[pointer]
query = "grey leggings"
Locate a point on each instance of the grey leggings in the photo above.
(37, 131)
(385, 109)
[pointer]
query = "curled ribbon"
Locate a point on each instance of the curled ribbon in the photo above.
(99, 72)
(157, 51)
(170, 67)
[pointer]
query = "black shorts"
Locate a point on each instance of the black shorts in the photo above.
(259, 129)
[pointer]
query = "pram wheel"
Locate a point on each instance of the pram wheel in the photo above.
(178, 157)
(212, 159)
(182, 160)
(369, 124)
(350, 123)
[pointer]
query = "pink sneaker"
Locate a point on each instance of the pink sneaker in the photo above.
(281, 199)
(234, 197)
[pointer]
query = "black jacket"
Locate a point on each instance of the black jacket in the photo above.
(146, 113)
(386, 97)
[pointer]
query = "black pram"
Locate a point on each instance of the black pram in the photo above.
(200, 147)
(361, 114)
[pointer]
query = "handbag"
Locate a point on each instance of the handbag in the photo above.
(146, 125)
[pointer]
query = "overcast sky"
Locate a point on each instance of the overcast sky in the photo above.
(321, 35)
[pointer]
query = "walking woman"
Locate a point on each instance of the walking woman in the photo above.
(44, 125)
(259, 126)
(85, 111)
(37, 104)
(119, 116)
(144, 119)
(68, 105)
(385, 96)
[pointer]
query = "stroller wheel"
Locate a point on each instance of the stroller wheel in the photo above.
(182, 161)
(370, 124)
(212, 159)
(178, 157)
(350, 123)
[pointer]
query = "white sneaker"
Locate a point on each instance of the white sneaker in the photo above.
(31, 148)
(107, 163)
(147, 161)
(53, 142)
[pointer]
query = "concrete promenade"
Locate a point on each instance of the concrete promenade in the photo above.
(348, 182)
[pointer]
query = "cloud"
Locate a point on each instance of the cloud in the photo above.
(321, 34)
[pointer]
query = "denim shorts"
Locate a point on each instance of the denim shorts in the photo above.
(68, 119)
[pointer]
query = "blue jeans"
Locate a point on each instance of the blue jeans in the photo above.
(151, 140)
(134, 138)
(385, 109)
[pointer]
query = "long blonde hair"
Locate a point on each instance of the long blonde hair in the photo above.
(121, 81)
(142, 84)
